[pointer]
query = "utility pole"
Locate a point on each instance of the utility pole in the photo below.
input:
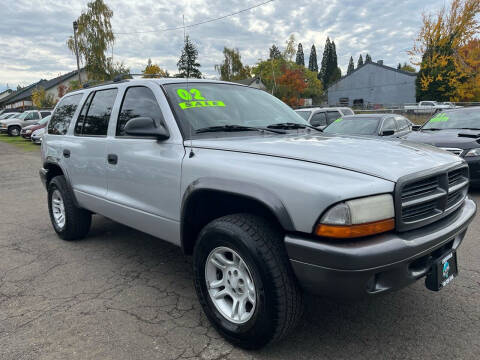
(75, 28)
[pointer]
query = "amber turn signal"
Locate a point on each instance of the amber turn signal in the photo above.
(354, 231)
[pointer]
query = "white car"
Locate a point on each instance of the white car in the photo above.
(428, 107)
(37, 136)
(321, 117)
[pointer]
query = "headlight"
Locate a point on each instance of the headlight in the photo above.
(28, 131)
(473, 152)
(356, 218)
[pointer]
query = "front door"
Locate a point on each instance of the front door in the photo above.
(143, 174)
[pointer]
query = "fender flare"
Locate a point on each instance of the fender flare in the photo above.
(51, 162)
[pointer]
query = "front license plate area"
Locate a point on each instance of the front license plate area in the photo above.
(442, 272)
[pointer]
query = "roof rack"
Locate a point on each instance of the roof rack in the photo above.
(120, 78)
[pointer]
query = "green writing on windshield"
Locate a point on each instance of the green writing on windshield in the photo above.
(338, 120)
(201, 103)
(439, 118)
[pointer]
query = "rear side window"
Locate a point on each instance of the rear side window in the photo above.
(60, 120)
(34, 116)
(95, 115)
(138, 101)
(332, 116)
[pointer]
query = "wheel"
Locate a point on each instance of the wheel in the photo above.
(69, 221)
(14, 131)
(244, 281)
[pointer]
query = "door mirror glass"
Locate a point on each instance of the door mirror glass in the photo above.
(145, 126)
(388, 132)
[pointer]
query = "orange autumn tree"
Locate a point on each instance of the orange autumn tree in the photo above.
(470, 54)
(291, 84)
(443, 69)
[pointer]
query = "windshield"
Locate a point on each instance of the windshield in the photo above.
(465, 118)
(44, 120)
(304, 114)
(23, 115)
(201, 105)
(347, 111)
(353, 125)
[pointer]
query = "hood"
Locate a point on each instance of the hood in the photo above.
(453, 138)
(387, 159)
(34, 127)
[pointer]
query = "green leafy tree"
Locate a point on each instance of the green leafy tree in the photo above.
(290, 51)
(94, 37)
(154, 71)
(368, 59)
(406, 67)
(360, 61)
(300, 58)
(232, 67)
(275, 52)
(312, 60)
(41, 99)
(188, 65)
(351, 67)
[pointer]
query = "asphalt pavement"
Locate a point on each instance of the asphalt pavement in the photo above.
(121, 294)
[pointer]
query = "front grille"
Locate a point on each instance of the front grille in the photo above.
(421, 200)
(455, 151)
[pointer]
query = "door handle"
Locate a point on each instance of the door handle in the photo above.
(66, 153)
(112, 159)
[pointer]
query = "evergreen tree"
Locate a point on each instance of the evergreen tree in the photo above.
(399, 66)
(187, 65)
(275, 52)
(312, 60)
(368, 59)
(300, 59)
(360, 61)
(351, 67)
(334, 71)
(329, 72)
(323, 73)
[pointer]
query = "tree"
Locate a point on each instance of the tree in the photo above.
(300, 58)
(187, 65)
(360, 61)
(94, 37)
(351, 67)
(368, 59)
(312, 60)
(116, 68)
(41, 99)
(154, 71)
(232, 67)
(275, 52)
(399, 66)
(323, 73)
(290, 51)
(62, 90)
(329, 72)
(406, 67)
(444, 70)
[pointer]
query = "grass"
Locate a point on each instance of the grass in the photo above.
(19, 142)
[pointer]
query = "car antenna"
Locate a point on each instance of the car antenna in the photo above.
(192, 154)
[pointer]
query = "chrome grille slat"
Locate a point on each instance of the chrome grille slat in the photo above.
(430, 197)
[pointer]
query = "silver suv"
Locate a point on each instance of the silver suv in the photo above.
(13, 126)
(268, 206)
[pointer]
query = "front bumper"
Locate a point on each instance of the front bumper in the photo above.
(3, 130)
(356, 269)
(43, 176)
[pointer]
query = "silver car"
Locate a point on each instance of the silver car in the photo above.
(37, 136)
(268, 206)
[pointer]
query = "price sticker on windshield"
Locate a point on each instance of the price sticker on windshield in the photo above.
(439, 118)
(195, 99)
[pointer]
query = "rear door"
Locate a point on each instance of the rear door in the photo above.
(86, 150)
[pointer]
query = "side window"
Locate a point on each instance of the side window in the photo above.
(35, 116)
(45, 113)
(402, 123)
(389, 124)
(332, 116)
(28, 117)
(61, 117)
(138, 101)
(83, 113)
(318, 119)
(95, 122)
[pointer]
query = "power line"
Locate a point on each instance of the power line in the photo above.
(196, 24)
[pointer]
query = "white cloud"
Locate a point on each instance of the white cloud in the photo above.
(33, 33)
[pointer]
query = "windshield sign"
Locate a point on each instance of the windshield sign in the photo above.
(458, 119)
(353, 126)
(203, 105)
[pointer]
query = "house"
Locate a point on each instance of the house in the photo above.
(56, 87)
(373, 84)
(254, 82)
(5, 93)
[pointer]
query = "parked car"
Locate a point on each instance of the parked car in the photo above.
(267, 206)
(428, 107)
(321, 117)
(457, 131)
(14, 125)
(8, 115)
(370, 125)
(37, 135)
(27, 131)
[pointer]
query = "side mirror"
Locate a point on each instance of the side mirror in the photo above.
(145, 126)
(388, 132)
(416, 127)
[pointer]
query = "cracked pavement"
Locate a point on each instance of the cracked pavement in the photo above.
(121, 294)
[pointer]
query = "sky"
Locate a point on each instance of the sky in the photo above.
(33, 33)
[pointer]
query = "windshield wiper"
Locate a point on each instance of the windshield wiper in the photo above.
(220, 128)
(433, 129)
(467, 128)
(292, 125)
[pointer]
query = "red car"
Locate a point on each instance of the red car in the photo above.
(28, 130)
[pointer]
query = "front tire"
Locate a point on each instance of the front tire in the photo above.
(244, 281)
(69, 221)
(14, 131)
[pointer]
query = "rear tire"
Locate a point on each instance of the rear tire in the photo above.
(69, 221)
(14, 131)
(277, 301)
